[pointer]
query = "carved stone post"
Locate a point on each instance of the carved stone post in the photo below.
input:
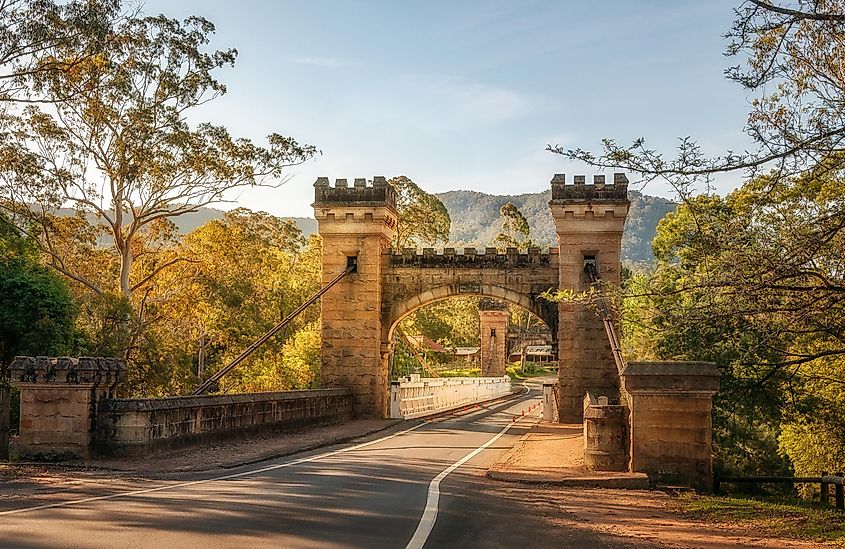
(59, 398)
(670, 420)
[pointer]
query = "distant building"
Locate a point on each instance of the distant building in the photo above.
(534, 353)
(471, 354)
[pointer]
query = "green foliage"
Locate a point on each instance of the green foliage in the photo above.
(423, 218)
(517, 370)
(462, 370)
(452, 322)
(31, 27)
(753, 282)
(36, 310)
(115, 144)
(515, 230)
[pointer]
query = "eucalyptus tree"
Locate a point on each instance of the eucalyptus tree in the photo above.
(423, 219)
(116, 144)
(756, 280)
(516, 233)
(31, 30)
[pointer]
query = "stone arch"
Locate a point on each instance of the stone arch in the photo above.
(402, 309)
(358, 223)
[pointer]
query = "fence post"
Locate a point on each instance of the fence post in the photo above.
(548, 402)
(840, 494)
(5, 419)
(824, 492)
(395, 400)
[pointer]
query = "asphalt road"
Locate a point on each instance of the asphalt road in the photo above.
(421, 485)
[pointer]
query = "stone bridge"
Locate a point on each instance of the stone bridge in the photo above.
(358, 222)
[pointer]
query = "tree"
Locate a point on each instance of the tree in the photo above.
(423, 219)
(755, 280)
(245, 272)
(793, 71)
(117, 145)
(31, 29)
(515, 230)
(36, 311)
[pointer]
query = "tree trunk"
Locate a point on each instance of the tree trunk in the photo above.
(125, 269)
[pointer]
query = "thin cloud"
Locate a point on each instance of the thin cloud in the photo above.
(323, 62)
(449, 102)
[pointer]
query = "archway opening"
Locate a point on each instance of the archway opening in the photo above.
(467, 335)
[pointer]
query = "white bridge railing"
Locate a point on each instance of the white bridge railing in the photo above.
(413, 397)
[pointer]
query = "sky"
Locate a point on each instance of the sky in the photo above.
(467, 94)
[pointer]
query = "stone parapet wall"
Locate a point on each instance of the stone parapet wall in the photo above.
(139, 426)
(470, 258)
(377, 192)
(598, 191)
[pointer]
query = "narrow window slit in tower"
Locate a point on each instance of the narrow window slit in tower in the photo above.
(352, 261)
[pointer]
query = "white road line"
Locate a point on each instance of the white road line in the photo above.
(429, 516)
(204, 481)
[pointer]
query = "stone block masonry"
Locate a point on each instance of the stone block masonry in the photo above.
(494, 319)
(589, 220)
(142, 426)
(69, 411)
(356, 224)
(670, 420)
(59, 399)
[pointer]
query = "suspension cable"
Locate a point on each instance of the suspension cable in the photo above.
(210, 382)
(604, 314)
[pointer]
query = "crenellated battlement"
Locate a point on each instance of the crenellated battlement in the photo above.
(470, 258)
(361, 193)
(598, 191)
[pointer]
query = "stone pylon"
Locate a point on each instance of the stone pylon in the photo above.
(357, 224)
(494, 319)
(589, 220)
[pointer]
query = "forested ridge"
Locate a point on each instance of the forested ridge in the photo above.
(476, 219)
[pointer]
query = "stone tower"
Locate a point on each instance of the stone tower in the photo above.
(588, 221)
(494, 319)
(356, 224)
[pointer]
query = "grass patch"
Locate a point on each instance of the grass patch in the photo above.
(515, 371)
(791, 518)
(460, 372)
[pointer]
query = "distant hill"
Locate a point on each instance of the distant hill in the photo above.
(476, 220)
(188, 222)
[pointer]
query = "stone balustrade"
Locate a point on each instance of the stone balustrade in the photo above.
(415, 397)
(599, 190)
